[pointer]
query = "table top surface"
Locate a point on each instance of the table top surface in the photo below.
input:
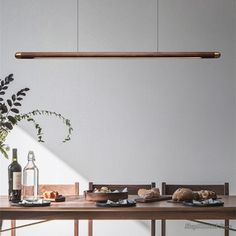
(77, 207)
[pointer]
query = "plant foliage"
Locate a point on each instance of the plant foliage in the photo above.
(10, 114)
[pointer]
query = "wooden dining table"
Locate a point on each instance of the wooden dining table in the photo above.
(79, 208)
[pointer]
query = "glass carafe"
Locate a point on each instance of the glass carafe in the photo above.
(30, 179)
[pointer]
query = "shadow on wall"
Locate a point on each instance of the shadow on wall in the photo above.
(53, 170)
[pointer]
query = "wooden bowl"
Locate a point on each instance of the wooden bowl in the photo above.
(103, 197)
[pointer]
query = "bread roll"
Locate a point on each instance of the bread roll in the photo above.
(50, 194)
(183, 194)
(149, 193)
(196, 196)
(207, 194)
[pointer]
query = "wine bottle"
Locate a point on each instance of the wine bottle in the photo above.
(14, 178)
(30, 179)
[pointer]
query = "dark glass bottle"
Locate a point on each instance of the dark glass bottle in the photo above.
(14, 178)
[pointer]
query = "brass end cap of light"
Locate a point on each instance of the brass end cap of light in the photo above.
(217, 54)
(17, 55)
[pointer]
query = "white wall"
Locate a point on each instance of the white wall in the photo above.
(134, 120)
(204, 90)
(234, 61)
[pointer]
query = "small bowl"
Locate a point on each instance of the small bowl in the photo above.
(103, 197)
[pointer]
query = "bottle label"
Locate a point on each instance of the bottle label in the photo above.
(16, 181)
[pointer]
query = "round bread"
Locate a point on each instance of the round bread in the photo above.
(149, 193)
(183, 194)
(145, 193)
(196, 196)
(156, 192)
(50, 194)
(207, 194)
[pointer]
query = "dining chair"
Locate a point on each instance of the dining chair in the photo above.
(63, 189)
(132, 190)
(219, 189)
(1, 226)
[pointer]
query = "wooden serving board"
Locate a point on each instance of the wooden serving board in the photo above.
(60, 198)
(161, 198)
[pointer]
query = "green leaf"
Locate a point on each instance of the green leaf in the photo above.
(15, 110)
(3, 151)
(12, 119)
(10, 76)
(9, 102)
(13, 97)
(17, 104)
(19, 92)
(4, 108)
(9, 125)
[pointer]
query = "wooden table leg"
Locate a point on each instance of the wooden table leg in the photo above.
(76, 228)
(13, 225)
(0, 226)
(90, 227)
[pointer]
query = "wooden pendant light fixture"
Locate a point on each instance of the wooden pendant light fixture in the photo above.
(79, 54)
(33, 55)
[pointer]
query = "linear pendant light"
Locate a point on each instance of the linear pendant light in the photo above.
(79, 54)
(33, 55)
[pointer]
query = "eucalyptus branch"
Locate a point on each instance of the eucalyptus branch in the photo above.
(36, 125)
(28, 117)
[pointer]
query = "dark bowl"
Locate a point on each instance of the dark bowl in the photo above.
(102, 197)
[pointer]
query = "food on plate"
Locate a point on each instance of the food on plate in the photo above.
(102, 190)
(50, 194)
(207, 194)
(149, 193)
(196, 195)
(183, 194)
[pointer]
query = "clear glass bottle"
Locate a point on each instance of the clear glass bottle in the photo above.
(30, 179)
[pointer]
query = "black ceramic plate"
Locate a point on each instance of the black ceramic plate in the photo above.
(205, 203)
(32, 203)
(158, 199)
(173, 201)
(129, 203)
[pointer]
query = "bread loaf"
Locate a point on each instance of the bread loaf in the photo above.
(183, 194)
(149, 193)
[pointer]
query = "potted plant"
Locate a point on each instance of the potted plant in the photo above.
(10, 115)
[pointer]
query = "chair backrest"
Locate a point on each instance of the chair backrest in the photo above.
(219, 189)
(64, 189)
(132, 188)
